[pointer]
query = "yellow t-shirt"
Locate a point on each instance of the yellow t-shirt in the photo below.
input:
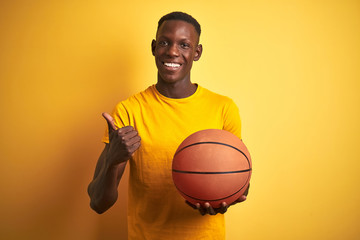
(155, 209)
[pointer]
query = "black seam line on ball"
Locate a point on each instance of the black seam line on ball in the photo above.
(219, 143)
(192, 172)
(213, 200)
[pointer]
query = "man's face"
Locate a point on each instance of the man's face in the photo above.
(175, 49)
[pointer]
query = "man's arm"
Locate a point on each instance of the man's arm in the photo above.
(110, 167)
(208, 209)
(103, 188)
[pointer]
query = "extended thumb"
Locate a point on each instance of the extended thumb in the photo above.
(110, 121)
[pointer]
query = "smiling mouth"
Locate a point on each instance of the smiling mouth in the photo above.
(171, 65)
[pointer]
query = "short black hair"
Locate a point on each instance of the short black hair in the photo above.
(180, 16)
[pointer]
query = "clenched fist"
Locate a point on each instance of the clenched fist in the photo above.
(123, 142)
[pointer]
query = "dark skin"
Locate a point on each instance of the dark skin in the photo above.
(176, 43)
(175, 49)
(207, 209)
(123, 142)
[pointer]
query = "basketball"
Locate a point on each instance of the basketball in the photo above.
(211, 166)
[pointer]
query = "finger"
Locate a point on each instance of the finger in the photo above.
(125, 130)
(223, 208)
(209, 209)
(133, 141)
(242, 198)
(201, 210)
(190, 204)
(133, 148)
(127, 134)
(110, 121)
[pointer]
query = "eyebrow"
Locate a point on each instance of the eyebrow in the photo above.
(167, 38)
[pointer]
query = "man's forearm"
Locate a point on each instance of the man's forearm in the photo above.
(103, 189)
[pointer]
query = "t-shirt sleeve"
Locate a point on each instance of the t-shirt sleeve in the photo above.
(121, 119)
(232, 122)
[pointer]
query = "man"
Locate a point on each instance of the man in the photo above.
(163, 116)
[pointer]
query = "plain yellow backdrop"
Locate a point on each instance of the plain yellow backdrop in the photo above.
(292, 67)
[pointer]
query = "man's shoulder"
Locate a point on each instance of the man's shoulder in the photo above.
(137, 98)
(215, 96)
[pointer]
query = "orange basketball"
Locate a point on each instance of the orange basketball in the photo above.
(211, 166)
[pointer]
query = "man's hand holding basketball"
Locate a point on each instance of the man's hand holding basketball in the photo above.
(123, 142)
(208, 209)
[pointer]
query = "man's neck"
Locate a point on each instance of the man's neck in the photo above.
(177, 89)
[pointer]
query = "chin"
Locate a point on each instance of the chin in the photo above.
(170, 79)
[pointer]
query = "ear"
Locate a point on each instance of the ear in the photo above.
(153, 46)
(198, 52)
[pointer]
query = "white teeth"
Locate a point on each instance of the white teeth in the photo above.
(174, 65)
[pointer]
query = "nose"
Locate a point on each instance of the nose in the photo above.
(173, 50)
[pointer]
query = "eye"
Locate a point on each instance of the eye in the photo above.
(185, 45)
(163, 43)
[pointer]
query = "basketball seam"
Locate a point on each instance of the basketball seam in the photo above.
(213, 200)
(194, 172)
(219, 143)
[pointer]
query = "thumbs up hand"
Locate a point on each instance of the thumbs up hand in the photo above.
(123, 142)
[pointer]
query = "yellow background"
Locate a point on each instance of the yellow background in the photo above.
(291, 66)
